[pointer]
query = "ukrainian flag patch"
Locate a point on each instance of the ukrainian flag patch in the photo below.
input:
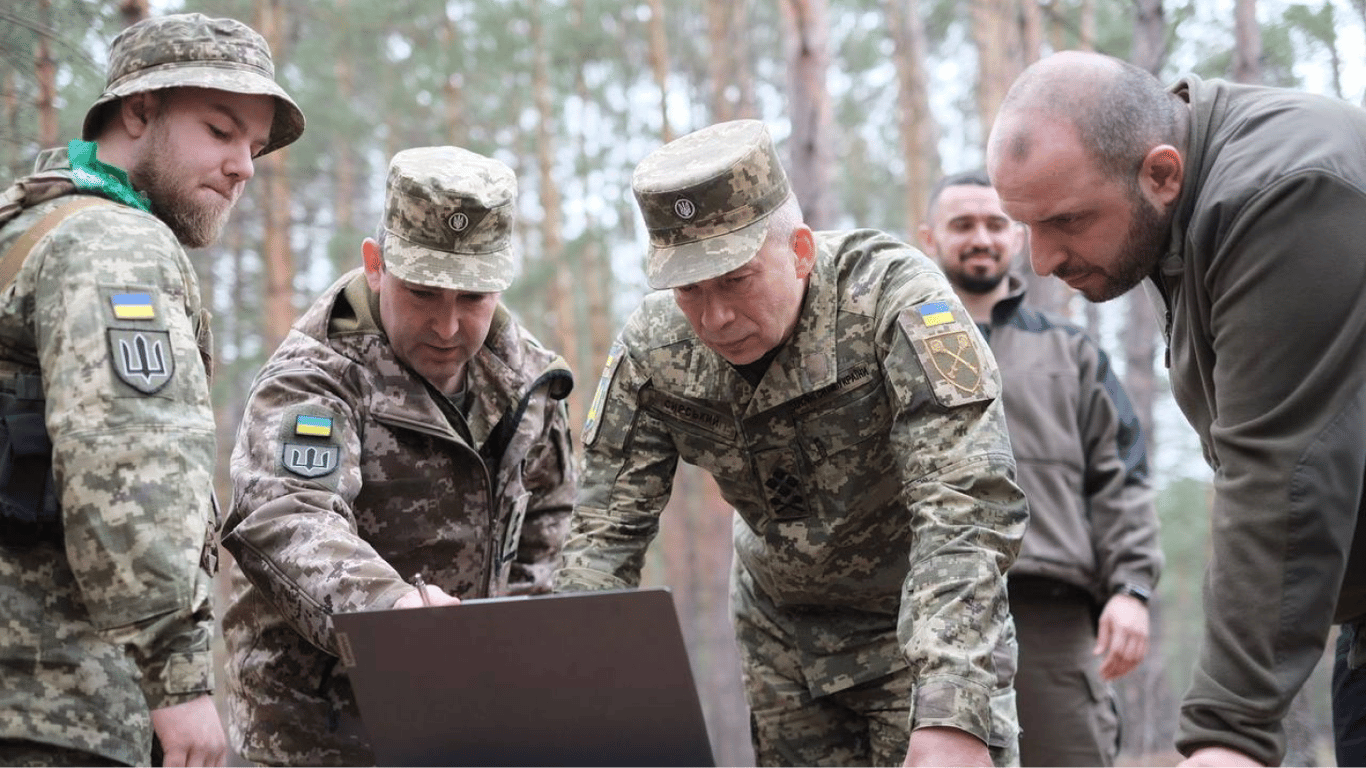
(935, 313)
(313, 426)
(133, 306)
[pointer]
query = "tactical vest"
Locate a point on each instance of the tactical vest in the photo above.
(30, 510)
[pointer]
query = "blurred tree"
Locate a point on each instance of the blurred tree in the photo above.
(811, 147)
(1320, 28)
(919, 134)
(659, 64)
(134, 11)
(1247, 50)
(730, 76)
(46, 71)
(996, 32)
(275, 195)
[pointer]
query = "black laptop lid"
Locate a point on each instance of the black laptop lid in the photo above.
(586, 678)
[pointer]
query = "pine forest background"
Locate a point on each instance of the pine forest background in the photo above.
(870, 101)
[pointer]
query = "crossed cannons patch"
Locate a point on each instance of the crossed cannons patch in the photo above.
(949, 352)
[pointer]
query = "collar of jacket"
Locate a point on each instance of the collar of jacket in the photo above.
(1003, 310)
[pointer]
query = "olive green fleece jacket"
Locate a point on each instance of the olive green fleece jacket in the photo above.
(1263, 294)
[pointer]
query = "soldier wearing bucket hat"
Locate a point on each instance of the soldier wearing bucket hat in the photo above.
(107, 514)
(847, 408)
(407, 421)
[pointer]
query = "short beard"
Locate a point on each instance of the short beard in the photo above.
(978, 285)
(195, 225)
(1143, 247)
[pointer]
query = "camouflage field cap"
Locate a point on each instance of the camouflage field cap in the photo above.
(190, 49)
(448, 213)
(705, 198)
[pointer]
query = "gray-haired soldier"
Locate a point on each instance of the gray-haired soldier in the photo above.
(846, 405)
(106, 477)
(406, 426)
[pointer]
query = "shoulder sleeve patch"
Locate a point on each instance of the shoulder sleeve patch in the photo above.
(609, 371)
(309, 444)
(950, 349)
(139, 340)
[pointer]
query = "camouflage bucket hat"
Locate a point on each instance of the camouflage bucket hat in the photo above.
(190, 49)
(448, 213)
(705, 198)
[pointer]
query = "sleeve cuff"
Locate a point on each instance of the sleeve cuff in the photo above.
(953, 704)
(183, 677)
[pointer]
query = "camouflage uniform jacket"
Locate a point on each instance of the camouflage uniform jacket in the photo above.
(870, 470)
(336, 522)
(114, 618)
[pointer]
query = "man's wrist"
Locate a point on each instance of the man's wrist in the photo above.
(1136, 591)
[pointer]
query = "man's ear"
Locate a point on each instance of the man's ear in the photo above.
(374, 262)
(926, 233)
(136, 112)
(804, 246)
(1161, 175)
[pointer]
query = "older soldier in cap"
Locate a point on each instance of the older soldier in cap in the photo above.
(847, 407)
(106, 477)
(407, 426)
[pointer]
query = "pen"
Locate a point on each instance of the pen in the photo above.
(422, 589)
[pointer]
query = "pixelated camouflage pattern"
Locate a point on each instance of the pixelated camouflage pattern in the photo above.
(190, 49)
(410, 495)
(874, 523)
(781, 706)
(704, 197)
(97, 630)
(449, 215)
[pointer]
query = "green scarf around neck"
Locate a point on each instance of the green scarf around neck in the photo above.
(91, 175)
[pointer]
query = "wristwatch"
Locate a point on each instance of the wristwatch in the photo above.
(1135, 591)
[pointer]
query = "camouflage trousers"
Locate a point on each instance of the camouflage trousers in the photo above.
(867, 724)
(32, 753)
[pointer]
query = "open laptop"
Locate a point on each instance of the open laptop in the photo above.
(585, 678)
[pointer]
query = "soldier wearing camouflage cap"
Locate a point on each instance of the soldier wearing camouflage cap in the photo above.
(106, 487)
(846, 406)
(407, 425)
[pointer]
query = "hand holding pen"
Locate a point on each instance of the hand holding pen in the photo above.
(425, 596)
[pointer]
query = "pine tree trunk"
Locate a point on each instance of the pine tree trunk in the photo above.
(659, 64)
(273, 185)
(996, 32)
(810, 148)
(919, 132)
(560, 295)
(45, 71)
(133, 11)
(1149, 49)
(729, 74)
(1247, 50)
(596, 271)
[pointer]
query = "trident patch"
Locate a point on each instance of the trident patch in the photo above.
(142, 359)
(308, 443)
(310, 460)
